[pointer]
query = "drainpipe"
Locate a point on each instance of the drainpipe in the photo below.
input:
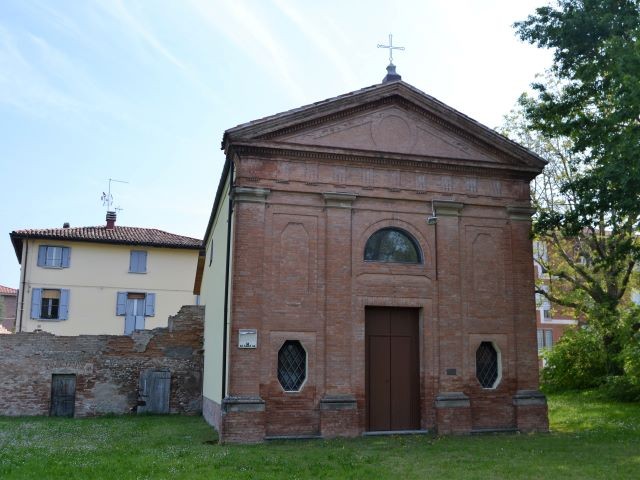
(24, 282)
(226, 285)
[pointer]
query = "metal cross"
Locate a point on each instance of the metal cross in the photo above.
(391, 48)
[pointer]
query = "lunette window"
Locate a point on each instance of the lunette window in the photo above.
(392, 245)
(53, 256)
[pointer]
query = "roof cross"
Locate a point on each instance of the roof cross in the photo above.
(391, 48)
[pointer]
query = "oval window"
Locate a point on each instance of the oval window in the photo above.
(392, 245)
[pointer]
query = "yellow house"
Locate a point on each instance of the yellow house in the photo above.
(102, 280)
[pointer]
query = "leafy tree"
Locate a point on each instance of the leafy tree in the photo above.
(585, 118)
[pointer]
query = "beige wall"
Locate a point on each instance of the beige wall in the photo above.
(212, 296)
(97, 272)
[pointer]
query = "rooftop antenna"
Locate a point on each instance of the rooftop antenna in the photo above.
(107, 198)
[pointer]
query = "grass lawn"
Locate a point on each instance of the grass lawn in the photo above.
(592, 438)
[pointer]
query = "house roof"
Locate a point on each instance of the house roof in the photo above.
(149, 237)
(8, 290)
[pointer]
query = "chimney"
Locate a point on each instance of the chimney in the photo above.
(65, 225)
(111, 220)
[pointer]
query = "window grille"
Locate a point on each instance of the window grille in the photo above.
(487, 365)
(292, 365)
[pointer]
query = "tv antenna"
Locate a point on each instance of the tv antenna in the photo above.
(107, 198)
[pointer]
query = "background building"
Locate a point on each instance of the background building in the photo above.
(8, 297)
(102, 280)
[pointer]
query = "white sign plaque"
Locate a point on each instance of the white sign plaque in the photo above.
(248, 338)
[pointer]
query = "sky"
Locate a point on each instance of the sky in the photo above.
(142, 91)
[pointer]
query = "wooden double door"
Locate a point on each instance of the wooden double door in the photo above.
(392, 368)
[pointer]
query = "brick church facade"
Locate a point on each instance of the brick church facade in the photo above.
(369, 268)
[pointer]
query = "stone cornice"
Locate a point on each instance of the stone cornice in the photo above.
(339, 200)
(251, 195)
(447, 208)
(521, 214)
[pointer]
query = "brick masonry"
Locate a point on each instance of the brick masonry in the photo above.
(107, 367)
(299, 274)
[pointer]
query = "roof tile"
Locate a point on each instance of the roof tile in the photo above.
(118, 235)
(7, 290)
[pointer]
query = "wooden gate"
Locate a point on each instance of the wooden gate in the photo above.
(63, 395)
(155, 389)
(392, 369)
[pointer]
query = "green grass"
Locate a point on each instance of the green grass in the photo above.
(591, 438)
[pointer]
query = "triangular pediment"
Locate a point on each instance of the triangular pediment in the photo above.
(391, 129)
(390, 118)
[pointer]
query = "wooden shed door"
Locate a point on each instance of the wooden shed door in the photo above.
(155, 389)
(63, 395)
(392, 369)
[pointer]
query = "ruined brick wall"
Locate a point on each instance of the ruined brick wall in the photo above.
(8, 319)
(107, 367)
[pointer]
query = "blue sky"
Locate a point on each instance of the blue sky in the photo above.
(142, 91)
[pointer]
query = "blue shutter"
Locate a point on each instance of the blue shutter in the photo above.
(142, 262)
(121, 303)
(133, 263)
(150, 305)
(129, 324)
(63, 309)
(36, 302)
(66, 254)
(138, 261)
(42, 256)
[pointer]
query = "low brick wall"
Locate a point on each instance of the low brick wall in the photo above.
(107, 367)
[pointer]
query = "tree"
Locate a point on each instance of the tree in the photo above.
(585, 118)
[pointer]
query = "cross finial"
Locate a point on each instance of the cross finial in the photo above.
(391, 48)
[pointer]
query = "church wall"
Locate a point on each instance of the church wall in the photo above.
(299, 275)
(302, 220)
(213, 298)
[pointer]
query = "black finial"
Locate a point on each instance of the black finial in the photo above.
(391, 75)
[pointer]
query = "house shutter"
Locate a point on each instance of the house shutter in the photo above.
(142, 262)
(150, 305)
(63, 309)
(138, 261)
(133, 261)
(540, 340)
(66, 254)
(42, 256)
(36, 302)
(121, 303)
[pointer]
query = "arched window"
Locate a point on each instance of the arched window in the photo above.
(392, 245)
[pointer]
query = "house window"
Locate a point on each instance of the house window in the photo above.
(546, 314)
(545, 338)
(392, 245)
(135, 307)
(138, 261)
(292, 366)
(49, 304)
(488, 365)
(51, 256)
